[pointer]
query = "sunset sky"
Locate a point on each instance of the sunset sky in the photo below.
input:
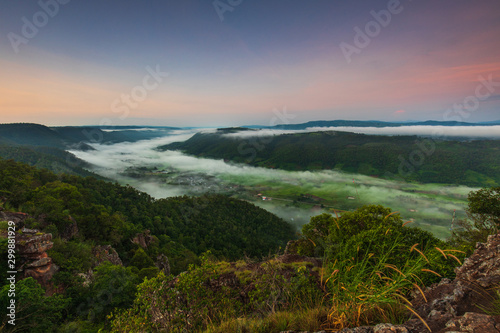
(232, 62)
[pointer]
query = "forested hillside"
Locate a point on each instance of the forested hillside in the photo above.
(86, 215)
(53, 159)
(45, 147)
(74, 136)
(472, 163)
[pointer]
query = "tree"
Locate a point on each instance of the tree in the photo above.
(483, 219)
(485, 203)
(34, 311)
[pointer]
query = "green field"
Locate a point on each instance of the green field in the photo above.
(296, 196)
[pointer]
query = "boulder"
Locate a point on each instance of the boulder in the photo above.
(143, 239)
(163, 264)
(104, 253)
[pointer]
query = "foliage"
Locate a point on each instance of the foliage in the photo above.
(211, 293)
(372, 262)
(485, 204)
(472, 163)
(483, 219)
(34, 311)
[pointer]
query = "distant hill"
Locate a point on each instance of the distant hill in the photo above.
(473, 163)
(370, 123)
(75, 136)
(495, 122)
(45, 147)
(32, 134)
(53, 159)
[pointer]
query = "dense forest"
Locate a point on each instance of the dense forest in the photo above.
(75, 137)
(411, 158)
(46, 147)
(124, 262)
(85, 213)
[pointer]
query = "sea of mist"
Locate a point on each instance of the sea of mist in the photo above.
(172, 173)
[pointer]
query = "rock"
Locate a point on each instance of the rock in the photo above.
(483, 266)
(32, 247)
(362, 329)
(104, 253)
(163, 264)
(474, 323)
(71, 230)
(143, 239)
(17, 218)
(390, 328)
(456, 306)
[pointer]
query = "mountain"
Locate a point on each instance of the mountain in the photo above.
(45, 147)
(370, 123)
(33, 135)
(75, 136)
(473, 163)
(489, 123)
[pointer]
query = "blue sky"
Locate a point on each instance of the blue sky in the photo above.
(91, 62)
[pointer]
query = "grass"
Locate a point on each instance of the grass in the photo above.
(4, 225)
(370, 290)
(305, 320)
(434, 202)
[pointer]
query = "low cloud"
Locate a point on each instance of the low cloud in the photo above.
(199, 175)
(472, 132)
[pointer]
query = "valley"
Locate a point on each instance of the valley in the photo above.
(292, 195)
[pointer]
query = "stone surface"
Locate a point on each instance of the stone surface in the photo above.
(163, 264)
(104, 253)
(143, 239)
(474, 323)
(32, 247)
(71, 230)
(456, 305)
(483, 266)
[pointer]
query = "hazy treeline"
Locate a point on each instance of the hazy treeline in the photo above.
(471, 163)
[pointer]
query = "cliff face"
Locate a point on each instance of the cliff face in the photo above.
(32, 247)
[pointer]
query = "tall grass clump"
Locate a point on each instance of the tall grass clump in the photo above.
(366, 290)
(372, 261)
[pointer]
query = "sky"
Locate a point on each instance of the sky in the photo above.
(242, 62)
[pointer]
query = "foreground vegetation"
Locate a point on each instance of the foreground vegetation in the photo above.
(180, 228)
(343, 271)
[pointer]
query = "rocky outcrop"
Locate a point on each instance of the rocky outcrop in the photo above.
(460, 305)
(17, 218)
(380, 328)
(144, 239)
(163, 264)
(71, 230)
(32, 247)
(104, 253)
(483, 266)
